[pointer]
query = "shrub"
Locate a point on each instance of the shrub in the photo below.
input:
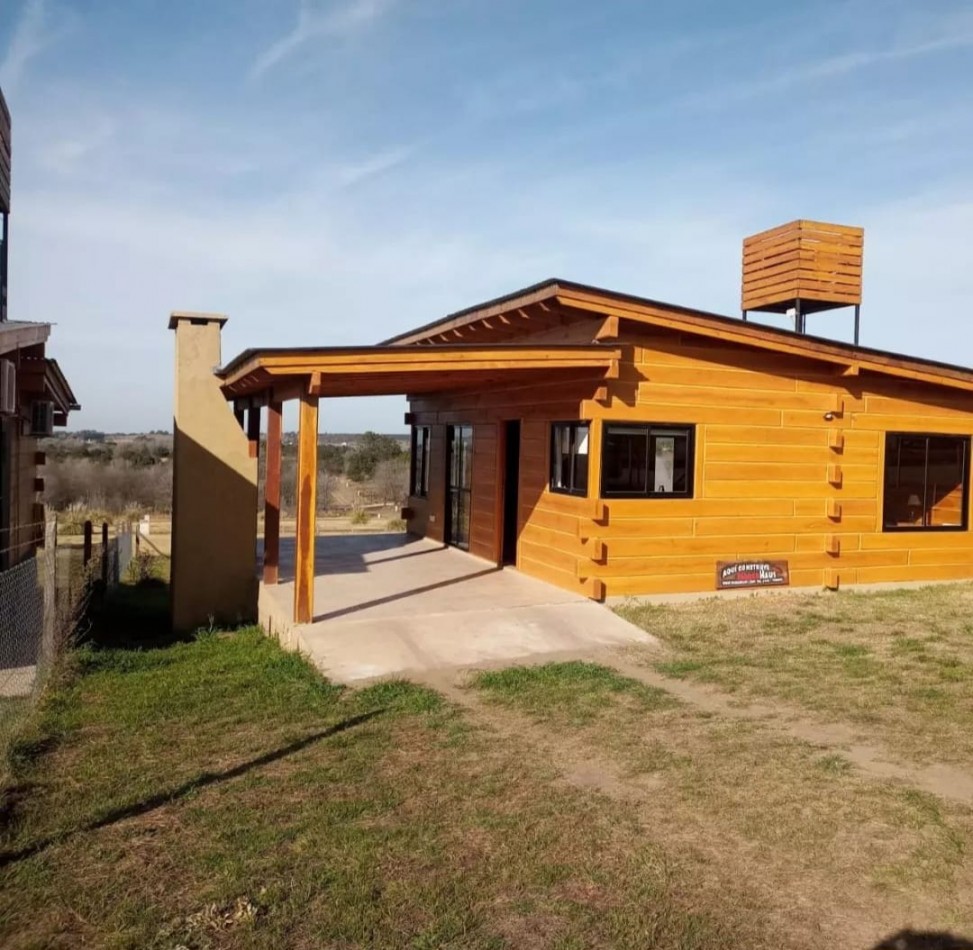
(143, 571)
(360, 517)
(72, 522)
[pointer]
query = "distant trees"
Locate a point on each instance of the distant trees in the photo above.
(116, 475)
(114, 487)
(89, 470)
(331, 458)
(366, 456)
(392, 480)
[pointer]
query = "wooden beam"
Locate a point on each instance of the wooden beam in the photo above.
(403, 365)
(253, 431)
(307, 503)
(286, 390)
(608, 329)
(272, 494)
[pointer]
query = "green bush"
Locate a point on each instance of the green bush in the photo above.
(360, 517)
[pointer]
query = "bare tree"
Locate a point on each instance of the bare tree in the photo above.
(391, 482)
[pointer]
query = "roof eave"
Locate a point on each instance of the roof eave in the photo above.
(16, 334)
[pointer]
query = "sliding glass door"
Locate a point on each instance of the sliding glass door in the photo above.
(459, 478)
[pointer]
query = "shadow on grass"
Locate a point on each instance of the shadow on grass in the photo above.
(153, 802)
(132, 616)
(926, 940)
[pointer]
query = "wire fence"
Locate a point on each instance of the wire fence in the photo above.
(45, 603)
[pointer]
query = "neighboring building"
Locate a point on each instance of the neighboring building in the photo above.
(34, 397)
(613, 445)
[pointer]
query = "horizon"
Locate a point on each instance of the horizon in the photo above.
(337, 173)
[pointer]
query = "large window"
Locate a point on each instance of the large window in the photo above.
(420, 462)
(569, 458)
(926, 482)
(647, 461)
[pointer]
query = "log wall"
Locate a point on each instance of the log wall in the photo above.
(789, 461)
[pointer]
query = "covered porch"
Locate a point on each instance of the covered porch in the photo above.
(300, 572)
(389, 604)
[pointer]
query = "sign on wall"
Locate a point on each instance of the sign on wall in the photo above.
(730, 574)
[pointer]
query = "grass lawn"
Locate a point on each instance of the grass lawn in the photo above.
(838, 856)
(219, 793)
(899, 664)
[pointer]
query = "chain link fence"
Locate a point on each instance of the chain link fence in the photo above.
(45, 602)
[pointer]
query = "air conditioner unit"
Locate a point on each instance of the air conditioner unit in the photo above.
(42, 417)
(8, 388)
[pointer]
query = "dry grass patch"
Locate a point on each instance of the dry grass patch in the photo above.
(899, 663)
(797, 824)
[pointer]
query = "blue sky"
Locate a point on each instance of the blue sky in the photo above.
(335, 171)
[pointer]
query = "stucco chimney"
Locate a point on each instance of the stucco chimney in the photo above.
(214, 488)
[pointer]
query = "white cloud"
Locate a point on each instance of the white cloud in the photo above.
(31, 36)
(954, 33)
(354, 172)
(314, 24)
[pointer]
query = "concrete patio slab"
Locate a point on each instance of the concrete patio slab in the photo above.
(392, 605)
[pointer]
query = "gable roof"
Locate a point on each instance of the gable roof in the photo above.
(583, 300)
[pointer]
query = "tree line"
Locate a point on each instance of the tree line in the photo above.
(120, 475)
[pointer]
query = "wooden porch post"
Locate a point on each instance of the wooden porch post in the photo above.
(272, 494)
(253, 431)
(307, 503)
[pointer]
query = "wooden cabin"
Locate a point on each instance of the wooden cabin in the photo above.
(715, 453)
(614, 445)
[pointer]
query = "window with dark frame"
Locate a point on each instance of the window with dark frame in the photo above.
(569, 458)
(420, 462)
(927, 479)
(647, 461)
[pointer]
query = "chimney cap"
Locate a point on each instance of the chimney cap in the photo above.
(197, 317)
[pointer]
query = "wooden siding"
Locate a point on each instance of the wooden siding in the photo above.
(548, 545)
(788, 464)
(816, 263)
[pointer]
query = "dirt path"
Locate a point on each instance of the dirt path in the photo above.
(813, 906)
(870, 759)
(873, 760)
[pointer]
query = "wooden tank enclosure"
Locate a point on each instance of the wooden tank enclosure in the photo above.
(804, 267)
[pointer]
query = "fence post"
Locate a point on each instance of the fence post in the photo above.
(104, 554)
(49, 640)
(87, 543)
